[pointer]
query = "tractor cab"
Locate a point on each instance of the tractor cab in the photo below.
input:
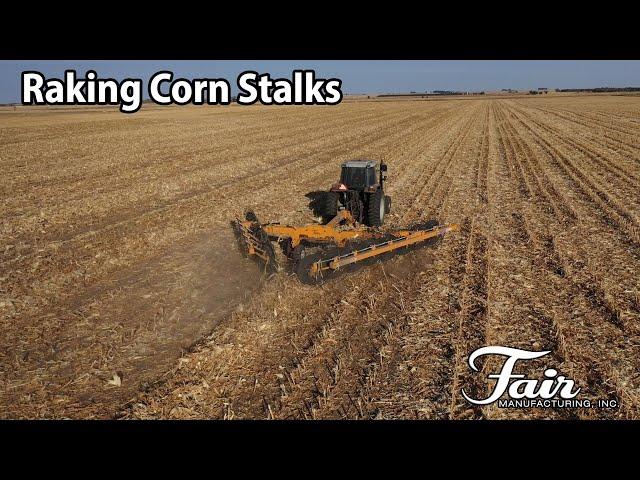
(360, 190)
(361, 175)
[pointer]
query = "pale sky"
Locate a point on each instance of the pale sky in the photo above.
(358, 76)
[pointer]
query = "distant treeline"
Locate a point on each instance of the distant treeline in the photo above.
(599, 89)
(435, 93)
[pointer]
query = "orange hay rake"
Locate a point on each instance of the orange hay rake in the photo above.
(319, 251)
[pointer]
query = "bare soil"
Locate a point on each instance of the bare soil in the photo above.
(122, 294)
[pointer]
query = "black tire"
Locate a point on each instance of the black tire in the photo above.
(329, 206)
(375, 209)
(303, 270)
(294, 254)
(387, 204)
(299, 253)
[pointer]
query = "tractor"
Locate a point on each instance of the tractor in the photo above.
(360, 191)
(353, 210)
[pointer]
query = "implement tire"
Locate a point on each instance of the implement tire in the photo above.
(303, 270)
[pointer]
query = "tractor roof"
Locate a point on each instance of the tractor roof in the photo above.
(359, 163)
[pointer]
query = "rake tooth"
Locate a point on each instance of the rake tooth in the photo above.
(254, 242)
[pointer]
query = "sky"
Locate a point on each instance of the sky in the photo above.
(358, 76)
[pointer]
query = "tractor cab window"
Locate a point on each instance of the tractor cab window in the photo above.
(371, 177)
(354, 177)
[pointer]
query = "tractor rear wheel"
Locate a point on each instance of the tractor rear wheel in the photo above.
(329, 207)
(376, 209)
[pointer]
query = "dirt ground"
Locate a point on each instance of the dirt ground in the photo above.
(122, 294)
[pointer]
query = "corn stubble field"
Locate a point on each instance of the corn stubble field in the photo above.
(122, 293)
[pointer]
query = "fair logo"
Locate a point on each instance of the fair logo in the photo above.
(551, 389)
